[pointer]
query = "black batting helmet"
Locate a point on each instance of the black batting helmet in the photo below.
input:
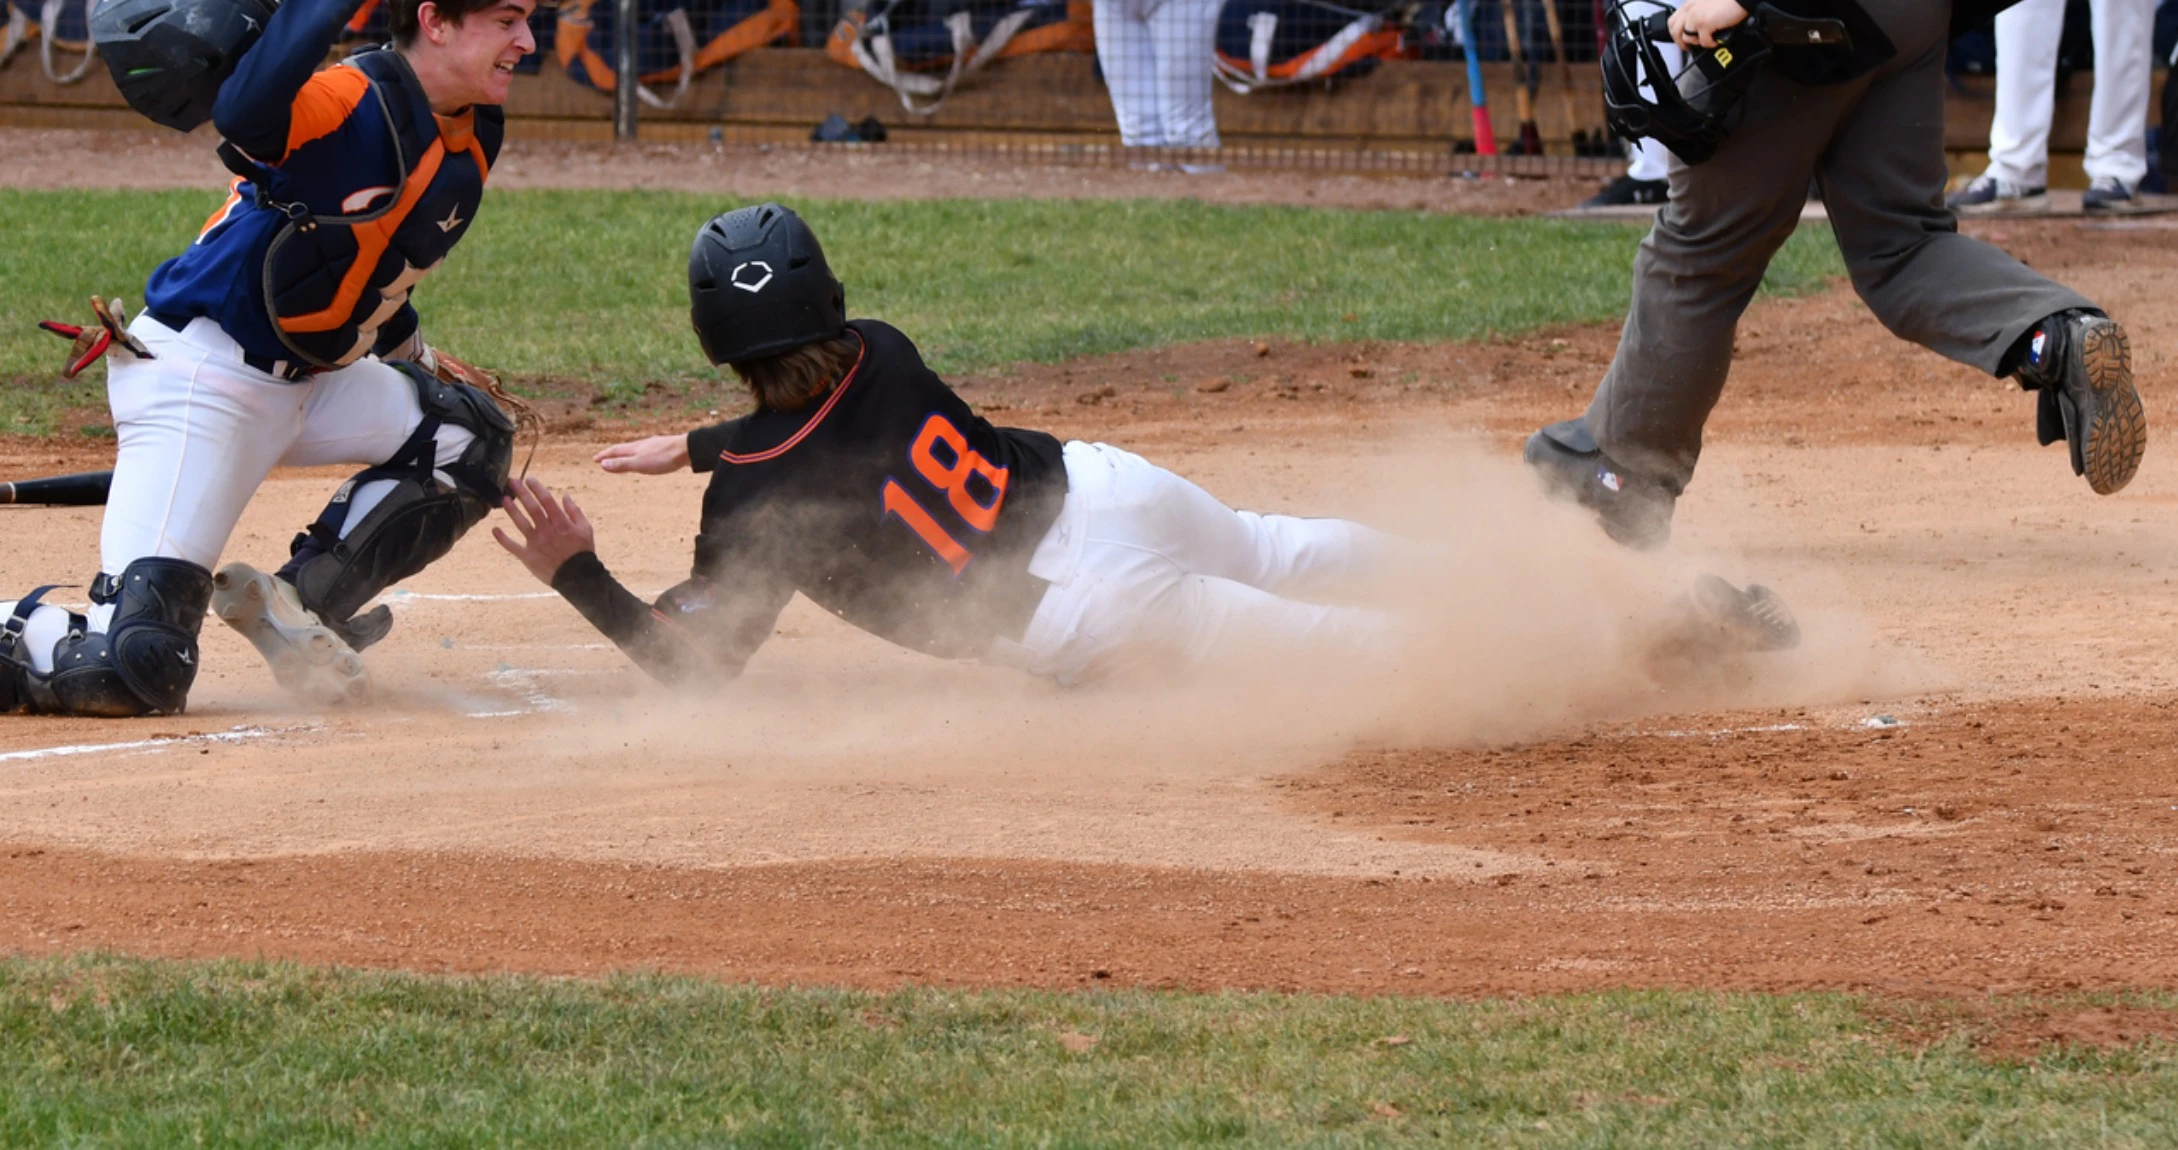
(1691, 112)
(758, 286)
(169, 57)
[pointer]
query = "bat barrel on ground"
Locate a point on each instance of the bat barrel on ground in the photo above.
(83, 489)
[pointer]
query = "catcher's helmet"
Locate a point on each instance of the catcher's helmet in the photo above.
(1691, 112)
(169, 57)
(758, 285)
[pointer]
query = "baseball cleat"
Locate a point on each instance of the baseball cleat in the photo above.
(1634, 510)
(2082, 364)
(307, 657)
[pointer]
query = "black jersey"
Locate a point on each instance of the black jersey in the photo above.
(888, 502)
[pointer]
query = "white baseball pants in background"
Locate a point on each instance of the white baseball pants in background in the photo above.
(2026, 90)
(1645, 158)
(1143, 563)
(1157, 57)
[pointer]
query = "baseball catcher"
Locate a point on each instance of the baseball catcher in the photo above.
(283, 334)
(1851, 95)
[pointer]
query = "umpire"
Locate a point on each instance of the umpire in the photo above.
(1865, 122)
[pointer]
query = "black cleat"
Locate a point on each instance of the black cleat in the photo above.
(1626, 191)
(1755, 619)
(363, 628)
(2082, 365)
(1634, 510)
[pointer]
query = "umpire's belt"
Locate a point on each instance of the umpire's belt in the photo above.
(286, 369)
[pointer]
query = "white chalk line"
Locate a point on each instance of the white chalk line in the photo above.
(398, 595)
(522, 681)
(236, 735)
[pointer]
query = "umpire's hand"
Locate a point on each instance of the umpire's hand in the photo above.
(553, 529)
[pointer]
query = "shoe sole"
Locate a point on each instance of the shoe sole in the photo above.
(2014, 206)
(309, 661)
(2118, 435)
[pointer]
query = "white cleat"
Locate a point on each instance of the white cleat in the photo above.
(306, 656)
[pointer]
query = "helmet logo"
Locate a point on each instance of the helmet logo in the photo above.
(751, 276)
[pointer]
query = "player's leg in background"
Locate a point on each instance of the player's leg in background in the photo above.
(1183, 35)
(2117, 115)
(2026, 91)
(1128, 57)
(1648, 163)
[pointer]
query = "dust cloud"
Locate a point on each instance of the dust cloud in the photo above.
(1515, 618)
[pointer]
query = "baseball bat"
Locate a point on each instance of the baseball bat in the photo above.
(1565, 71)
(1485, 138)
(83, 489)
(1530, 141)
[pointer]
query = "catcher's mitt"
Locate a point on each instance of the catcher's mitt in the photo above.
(526, 420)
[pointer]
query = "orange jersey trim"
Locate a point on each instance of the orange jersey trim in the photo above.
(370, 243)
(814, 420)
(323, 105)
(234, 196)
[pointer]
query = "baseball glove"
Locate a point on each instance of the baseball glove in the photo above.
(526, 420)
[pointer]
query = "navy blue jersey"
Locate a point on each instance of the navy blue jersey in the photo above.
(351, 184)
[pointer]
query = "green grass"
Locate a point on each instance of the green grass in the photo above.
(98, 1051)
(590, 287)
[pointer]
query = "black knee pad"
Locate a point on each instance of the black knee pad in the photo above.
(418, 521)
(482, 469)
(146, 660)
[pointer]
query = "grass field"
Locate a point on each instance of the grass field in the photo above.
(589, 289)
(107, 1051)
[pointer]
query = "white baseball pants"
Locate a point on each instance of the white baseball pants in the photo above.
(1645, 158)
(2026, 90)
(1143, 563)
(199, 431)
(1157, 57)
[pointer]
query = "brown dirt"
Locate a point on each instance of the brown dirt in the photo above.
(1962, 783)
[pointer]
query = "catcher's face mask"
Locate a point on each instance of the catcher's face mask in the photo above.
(1692, 110)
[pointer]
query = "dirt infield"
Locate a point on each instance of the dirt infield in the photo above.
(1963, 781)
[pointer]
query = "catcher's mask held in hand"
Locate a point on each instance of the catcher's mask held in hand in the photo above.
(1692, 111)
(169, 57)
(758, 286)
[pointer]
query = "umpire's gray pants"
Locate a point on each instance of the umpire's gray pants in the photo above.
(1875, 145)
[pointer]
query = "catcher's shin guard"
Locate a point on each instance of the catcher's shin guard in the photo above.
(336, 568)
(142, 664)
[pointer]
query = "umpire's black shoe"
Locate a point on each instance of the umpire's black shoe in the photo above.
(1626, 190)
(1634, 509)
(2082, 364)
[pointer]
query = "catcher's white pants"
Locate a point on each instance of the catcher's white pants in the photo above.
(2026, 90)
(1157, 57)
(199, 431)
(1144, 564)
